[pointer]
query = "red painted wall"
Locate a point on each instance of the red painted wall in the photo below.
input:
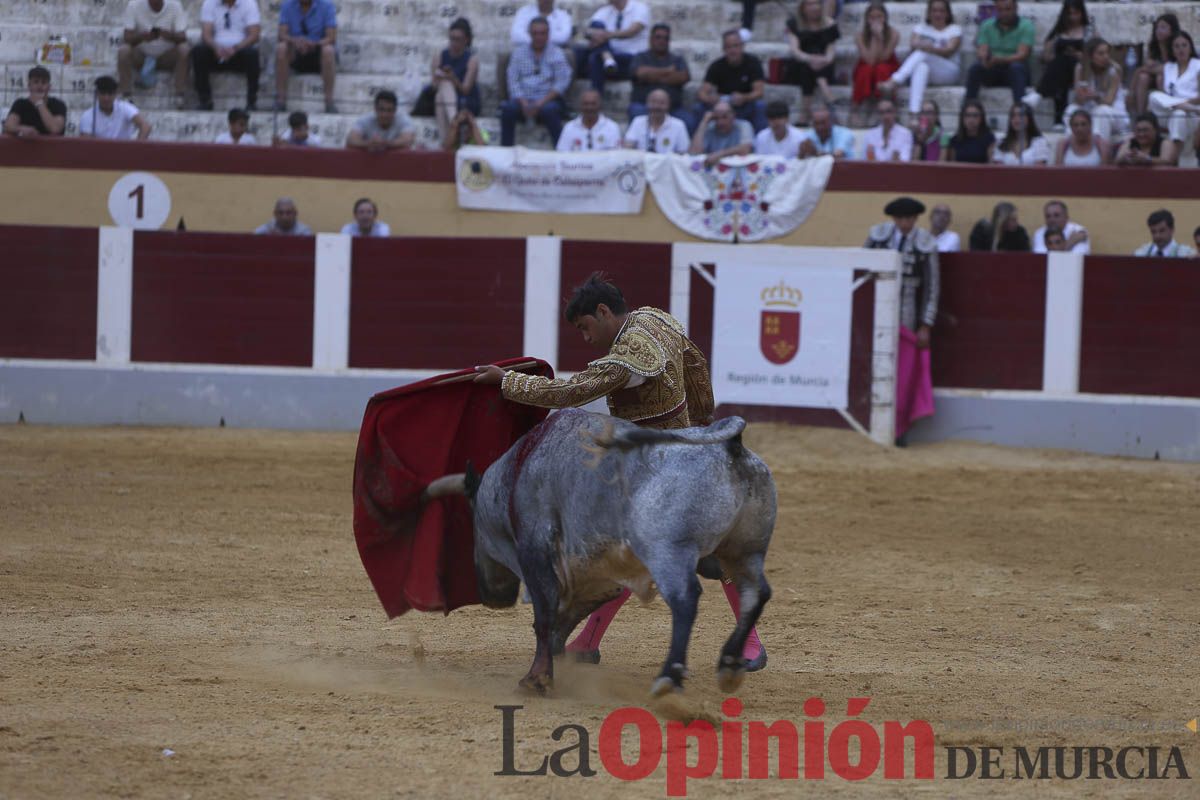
(991, 321)
(643, 271)
(1141, 326)
(436, 303)
(223, 299)
(48, 292)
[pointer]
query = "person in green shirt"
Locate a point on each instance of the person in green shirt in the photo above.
(1002, 47)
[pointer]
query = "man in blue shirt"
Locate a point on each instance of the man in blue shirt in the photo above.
(307, 37)
(827, 139)
(538, 79)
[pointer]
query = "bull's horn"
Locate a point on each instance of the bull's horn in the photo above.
(445, 486)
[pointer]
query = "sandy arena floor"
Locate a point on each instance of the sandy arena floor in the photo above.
(199, 591)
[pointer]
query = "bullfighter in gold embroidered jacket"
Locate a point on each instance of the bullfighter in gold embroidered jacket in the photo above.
(653, 375)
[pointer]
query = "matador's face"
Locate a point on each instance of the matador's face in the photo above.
(599, 329)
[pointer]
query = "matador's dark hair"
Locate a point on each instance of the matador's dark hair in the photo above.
(591, 293)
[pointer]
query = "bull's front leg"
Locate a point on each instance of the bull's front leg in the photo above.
(543, 591)
(680, 589)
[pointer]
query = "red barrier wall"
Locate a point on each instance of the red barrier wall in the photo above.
(436, 303)
(991, 321)
(223, 299)
(643, 271)
(1141, 326)
(48, 295)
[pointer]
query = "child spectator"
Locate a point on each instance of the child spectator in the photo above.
(238, 133)
(298, 134)
(778, 138)
(110, 118)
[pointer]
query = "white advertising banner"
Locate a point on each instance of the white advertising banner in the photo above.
(545, 181)
(781, 333)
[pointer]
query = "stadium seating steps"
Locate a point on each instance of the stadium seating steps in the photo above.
(390, 45)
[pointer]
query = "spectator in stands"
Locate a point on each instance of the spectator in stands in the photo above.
(616, 33)
(825, 138)
(298, 134)
(1061, 53)
(889, 141)
(39, 114)
(876, 44)
(155, 37)
(829, 10)
(1098, 89)
(1055, 242)
(591, 130)
(928, 138)
(562, 27)
(779, 138)
(365, 220)
(659, 68)
(307, 43)
(1081, 148)
(1023, 144)
(736, 78)
(1162, 242)
(934, 57)
(811, 35)
(1003, 232)
(455, 77)
(919, 289)
(110, 118)
(387, 128)
(238, 133)
(229, 31)
(939, 227)
(465, 130)
(1158, 53)
(1057, 218)
(721, 134)
(1196, 238)
(1002, 47)
(656, 131)
(1178, 95)
(1147, 146)
(973, 142)
(286, 222)
(538, 78)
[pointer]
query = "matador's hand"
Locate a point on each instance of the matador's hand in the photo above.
(489, 374)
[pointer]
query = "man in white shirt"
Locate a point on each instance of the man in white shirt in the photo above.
(110, 118)
(561, 24)
(939, 226)
(778, 138)
(657, 131)
(591, 130)
(1055, 214)
(889, 141)
(365, 222)
(155, 37)
(616, 33)
(298, 134)
(238, 133)
(1162, 242)
(230, 29)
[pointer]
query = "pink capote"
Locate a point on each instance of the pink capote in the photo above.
(914, 382)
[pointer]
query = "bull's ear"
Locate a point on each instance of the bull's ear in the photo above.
(471, 482)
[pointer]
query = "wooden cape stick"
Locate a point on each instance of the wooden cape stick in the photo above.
(524, 365)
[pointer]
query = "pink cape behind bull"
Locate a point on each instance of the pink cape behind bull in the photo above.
(417, 558)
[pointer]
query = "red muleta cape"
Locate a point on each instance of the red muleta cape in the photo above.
(410, 436)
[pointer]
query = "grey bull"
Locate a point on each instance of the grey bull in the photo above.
(585, 504)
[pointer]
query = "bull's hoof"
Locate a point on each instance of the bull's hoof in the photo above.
(671, 680)
(730, 673)
(585, 656)
(540, 684)
(664, 685)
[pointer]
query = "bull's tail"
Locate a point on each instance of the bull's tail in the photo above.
(458, 483)
(726, 430)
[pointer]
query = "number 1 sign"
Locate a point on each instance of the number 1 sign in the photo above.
(139, 200)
